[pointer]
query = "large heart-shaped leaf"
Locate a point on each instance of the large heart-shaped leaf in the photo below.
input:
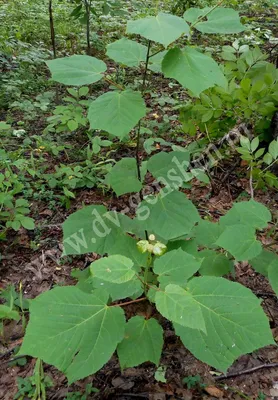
(129, 249)
(170, 168)
(117, 112)
(143, 342)
(207, 233)
(76, 70)
(74, 331)
(192, 69)
(93, 229)
(116, 269)
(123, 177)
(221, 20)
(180, 306)
(164, 28)
(155, 62)
(234, 320)
(87, 283)
(127, 52)
(262, 262)
(176, 266)
(169, 215)
(240, 241)
(249, 213)
(214, 264)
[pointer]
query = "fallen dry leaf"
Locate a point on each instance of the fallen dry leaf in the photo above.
(214, 391)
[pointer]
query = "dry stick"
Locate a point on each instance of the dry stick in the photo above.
(246, 371)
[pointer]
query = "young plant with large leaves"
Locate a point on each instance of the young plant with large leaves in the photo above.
(167, 256)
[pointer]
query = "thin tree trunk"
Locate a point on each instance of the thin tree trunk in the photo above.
(52, 30)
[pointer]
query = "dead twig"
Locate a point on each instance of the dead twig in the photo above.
(246, 371)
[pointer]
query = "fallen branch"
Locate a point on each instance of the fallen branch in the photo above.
(246, 371)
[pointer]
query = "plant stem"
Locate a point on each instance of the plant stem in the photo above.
(52, 30)
(206, 14)
(251, 183)
(155, 53)
(269, 166)
(22, 308)
(147, 284)
(88, 15)
(113, 83)
(143, 88)
(129, 302)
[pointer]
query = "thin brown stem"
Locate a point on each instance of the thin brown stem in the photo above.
(129, 302)
(113, 83)
(148, 285)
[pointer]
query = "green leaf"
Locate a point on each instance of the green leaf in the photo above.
(192, 14)
(249, 213)
(221, 20)
(207, 233)
(164, 28)
(168, 215)
(189, 246)
(93, 229)
(83, 91)
(160, 374)
(176, 266)
(235, 322)
(117, 112)
(116, 269)
(88, 283)
(14, 224)
(127, 52)
(273, 275)
(132, 288)
(27, 223)
(273, 149)
(72, 125)
(214, 264)
(7, 313)
(143, 342)
(268, 158)
(128, 248)
(4, 126)
(192, 69)
(228, 56)
(123, 177)
(76, 70)
(240, 241)
(178, 305)
(78, 334)
(262, 262)
(170, 168)
(255, 143)
(155, 63)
